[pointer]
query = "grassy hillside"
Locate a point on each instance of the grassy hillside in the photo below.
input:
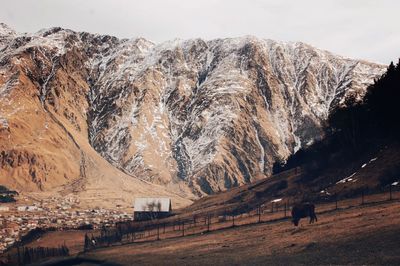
(361, 235)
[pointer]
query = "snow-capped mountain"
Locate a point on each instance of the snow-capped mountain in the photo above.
(195, 116)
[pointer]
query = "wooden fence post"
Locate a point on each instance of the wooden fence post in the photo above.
(362, 197)
(336, 201)
(272, 207)
(19, 256)
(285, 210)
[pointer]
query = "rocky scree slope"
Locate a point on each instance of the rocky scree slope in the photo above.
(44, 147)
(194, 116)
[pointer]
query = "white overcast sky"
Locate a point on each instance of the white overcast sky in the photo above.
(365, 29)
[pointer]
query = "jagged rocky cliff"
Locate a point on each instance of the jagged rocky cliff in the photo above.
(194, 116)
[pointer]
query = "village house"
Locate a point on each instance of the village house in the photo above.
(4, 208)
(22, 208)
(151, 208)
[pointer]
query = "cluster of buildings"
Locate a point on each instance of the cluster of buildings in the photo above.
(18, 219)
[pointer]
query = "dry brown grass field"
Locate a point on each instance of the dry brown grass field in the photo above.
(360, 235)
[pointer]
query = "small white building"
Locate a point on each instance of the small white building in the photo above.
(4, 208)
(27, 208)
(151, 208)
(22, 208)
(31, 208)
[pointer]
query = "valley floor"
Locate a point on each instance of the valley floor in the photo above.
(366, 234)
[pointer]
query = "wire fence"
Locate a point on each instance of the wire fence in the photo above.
(29, 255)
(137, 232)
(154, 230)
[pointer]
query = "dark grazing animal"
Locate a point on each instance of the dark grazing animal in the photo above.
(303, 210)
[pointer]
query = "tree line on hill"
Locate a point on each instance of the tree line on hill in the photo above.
(29, 255)
(355, 128)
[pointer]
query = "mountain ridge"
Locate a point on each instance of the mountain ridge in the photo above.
(193, 116)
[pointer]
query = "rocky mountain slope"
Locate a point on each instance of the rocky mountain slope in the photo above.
(194, 116)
